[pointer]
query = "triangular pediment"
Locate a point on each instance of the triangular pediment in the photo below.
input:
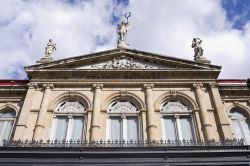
(123, 64)
(122, 59)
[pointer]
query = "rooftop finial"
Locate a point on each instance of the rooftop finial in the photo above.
(51, 47)
(198, 51)
(122, 30)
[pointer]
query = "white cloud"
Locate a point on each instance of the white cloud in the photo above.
(168, 27)
(165, 27)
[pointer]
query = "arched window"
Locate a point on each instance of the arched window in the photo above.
(241, 125)
(177, 121)
(123, 121)
(7, 117)
(69, 121)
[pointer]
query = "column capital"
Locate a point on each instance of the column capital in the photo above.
(212, 84)
(148, 86)
(97, 86)
(48, 86)
(197, 85)
(32, 85)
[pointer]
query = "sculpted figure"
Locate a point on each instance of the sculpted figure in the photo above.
(51, 47)
(122, 30)
(196, 44)
(198, 51)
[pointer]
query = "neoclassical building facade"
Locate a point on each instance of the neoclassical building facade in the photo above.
(126, 96)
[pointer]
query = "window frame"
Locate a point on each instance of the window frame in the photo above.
(70, 117)
(239, 121)
(177, 124)
(123, 116)
(13, 119)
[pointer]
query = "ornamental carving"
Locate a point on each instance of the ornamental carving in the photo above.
(122, 106)
(71, 106)
(174, 107)
(122, 62)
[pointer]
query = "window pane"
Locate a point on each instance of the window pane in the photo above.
(61, 129)
(9, 114)
(132, 128)
(115, 131)
(186, 128)
(237, 130)
(237, 115)
(77, 132)
(170, 128)
(1, 128)
(246, 130)
(7, 130)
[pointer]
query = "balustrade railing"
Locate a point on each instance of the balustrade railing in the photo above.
(119, 143)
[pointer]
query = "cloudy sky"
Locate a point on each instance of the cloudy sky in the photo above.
(159, 26)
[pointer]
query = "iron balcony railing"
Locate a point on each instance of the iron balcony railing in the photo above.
(119, 143)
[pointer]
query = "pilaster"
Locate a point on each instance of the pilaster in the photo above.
(25, 112)
(151, 119)
(40, 124)
(224, 124)
(95, 123)
(209, 133)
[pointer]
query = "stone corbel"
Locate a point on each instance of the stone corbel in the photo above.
(235, 103)
(123, 93)
(173, 93)
(8, 104)
(72, 93)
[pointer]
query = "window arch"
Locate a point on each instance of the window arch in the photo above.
(240, 124)
(177, 121)
(69, 121)
(123, 121)
(7, 118)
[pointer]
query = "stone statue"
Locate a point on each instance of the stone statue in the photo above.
(51, 47)
(196, 44)
(122, 30)
(198, 51)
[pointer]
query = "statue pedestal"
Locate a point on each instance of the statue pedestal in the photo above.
(122, 44)
(45, 60)
(201, 59)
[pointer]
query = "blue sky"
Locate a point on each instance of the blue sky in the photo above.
(237, 12)
(85, 26)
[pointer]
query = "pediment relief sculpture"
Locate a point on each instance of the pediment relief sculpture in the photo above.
(122, 62)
